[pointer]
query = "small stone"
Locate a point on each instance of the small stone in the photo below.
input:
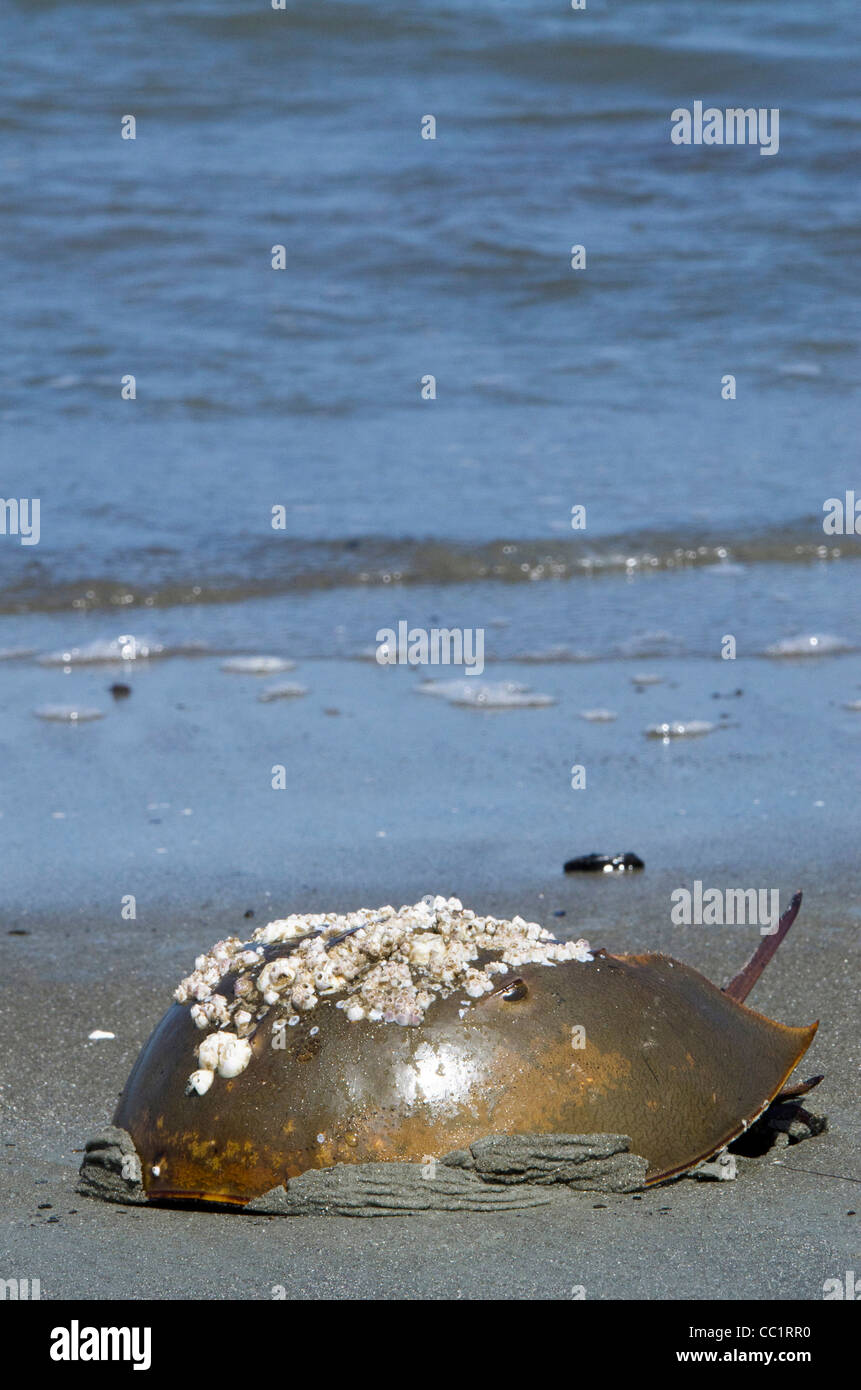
(600, 863)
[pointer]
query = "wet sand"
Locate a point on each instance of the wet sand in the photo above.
(385, 763)
(779, 1231)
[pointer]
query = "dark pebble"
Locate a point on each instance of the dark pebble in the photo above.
(596, 863)
(120, 690)
(249, 912)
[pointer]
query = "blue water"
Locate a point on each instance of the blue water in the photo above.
(300, 387)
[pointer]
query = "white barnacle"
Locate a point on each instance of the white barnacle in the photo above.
(303, 996)
(199, 1082)
(387, 966)
(426, 947)
(225, 1053)
(213, 1010)
(209, 1051)
(275, 977)
(235, 1055)
(477, 984)
(335, 983)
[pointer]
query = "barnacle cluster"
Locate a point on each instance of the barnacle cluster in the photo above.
(383, 965)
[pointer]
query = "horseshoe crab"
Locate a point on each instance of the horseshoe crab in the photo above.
(393, 1035)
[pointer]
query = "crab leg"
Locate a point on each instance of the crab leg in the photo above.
(741, 984)
(801, 1089)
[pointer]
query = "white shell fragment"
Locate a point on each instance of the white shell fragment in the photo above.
(808, 644)
(114, 649)
(67, 714)
(200, 1081)
(486, 694)
(387, 966)
(285, 690)
(722, 1168)
(257, 665)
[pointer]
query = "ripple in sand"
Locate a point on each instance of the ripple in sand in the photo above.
(599, 716)
(808, 644)
(68, 714)
(284, 691)
(853, 705)
(646, 680)
(486, 695)
(689, 728)
(112, 649)
(258, 665)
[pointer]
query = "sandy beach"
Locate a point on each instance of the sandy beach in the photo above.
(332, 321)
(779, 1231)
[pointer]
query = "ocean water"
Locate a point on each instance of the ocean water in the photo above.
(300, 389)
(405, 257)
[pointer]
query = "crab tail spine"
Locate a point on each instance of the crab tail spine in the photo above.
(741, 984)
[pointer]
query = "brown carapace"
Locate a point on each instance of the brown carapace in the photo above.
(639, 1045)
